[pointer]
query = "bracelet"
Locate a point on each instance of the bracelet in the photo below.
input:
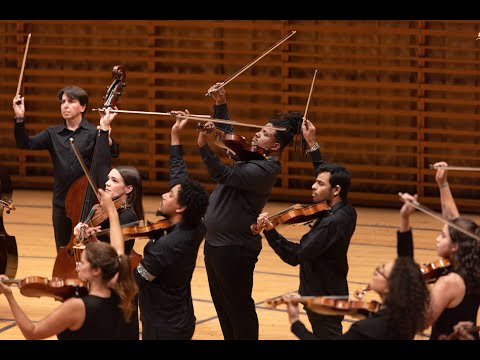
(445, 184)
(313, 148)
(19, 119)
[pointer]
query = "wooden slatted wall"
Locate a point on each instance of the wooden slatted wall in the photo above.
(391, 97)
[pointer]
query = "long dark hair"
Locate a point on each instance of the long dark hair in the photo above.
(104, 256)
(466, 260)
(131, 176)
(407, 300)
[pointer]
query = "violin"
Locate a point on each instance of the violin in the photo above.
(328, 305)
(237, 147)
(298, 213)
(151, 230)
(432, 271)
(57, 288)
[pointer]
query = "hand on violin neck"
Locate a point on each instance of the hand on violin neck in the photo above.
(263, 222)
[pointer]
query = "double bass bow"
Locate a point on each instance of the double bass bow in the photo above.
(20, 78)
(8, 243)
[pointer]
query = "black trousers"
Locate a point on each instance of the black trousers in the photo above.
(150, 332)
(230, 278)
(62, 226)
(325, 327)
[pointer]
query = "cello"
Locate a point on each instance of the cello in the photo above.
(76, 208)
(8, 243)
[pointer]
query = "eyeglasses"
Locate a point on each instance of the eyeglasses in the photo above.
(381, 270)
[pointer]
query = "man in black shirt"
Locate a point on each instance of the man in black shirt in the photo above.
(231, 250)
(165, 273)
(55, 139)
(322, 251)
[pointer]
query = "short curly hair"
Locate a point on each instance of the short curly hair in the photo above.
(194, 197)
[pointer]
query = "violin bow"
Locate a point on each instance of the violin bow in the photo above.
(223, 83)
(459, 168)
(310, 95)
(23, 66)
(433, 214)
(205, 118)
(84, 168)
(149, 113)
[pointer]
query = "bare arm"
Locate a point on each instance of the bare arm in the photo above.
(449, 208)
(116, 235)
(69, 315)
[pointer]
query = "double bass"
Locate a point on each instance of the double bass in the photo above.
(82, 209)
(8, 243)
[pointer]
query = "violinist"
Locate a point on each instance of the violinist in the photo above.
(124, 183)
(404, 296)
(164, 275)
(453, 296)
(66, 169)
(322, 251)
(242, 190)
(103, 314)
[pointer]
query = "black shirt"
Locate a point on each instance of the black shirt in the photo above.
(241, 194)
(322, 251)
(55, 139)
(166, 302)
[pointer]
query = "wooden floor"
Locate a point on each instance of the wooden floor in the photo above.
(373, 243)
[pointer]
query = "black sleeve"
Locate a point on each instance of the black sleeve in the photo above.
(301, 331)
(178, 168)
(221, 112)
(405, 243)
(115, 149)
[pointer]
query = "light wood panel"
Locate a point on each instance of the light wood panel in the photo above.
(391, 96)
(373, 243)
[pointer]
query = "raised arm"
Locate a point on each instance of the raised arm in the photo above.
(309, 134)
(449, 208)
(116, 236)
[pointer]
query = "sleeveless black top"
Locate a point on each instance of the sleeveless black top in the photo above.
(103, 321)
(465, 311)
